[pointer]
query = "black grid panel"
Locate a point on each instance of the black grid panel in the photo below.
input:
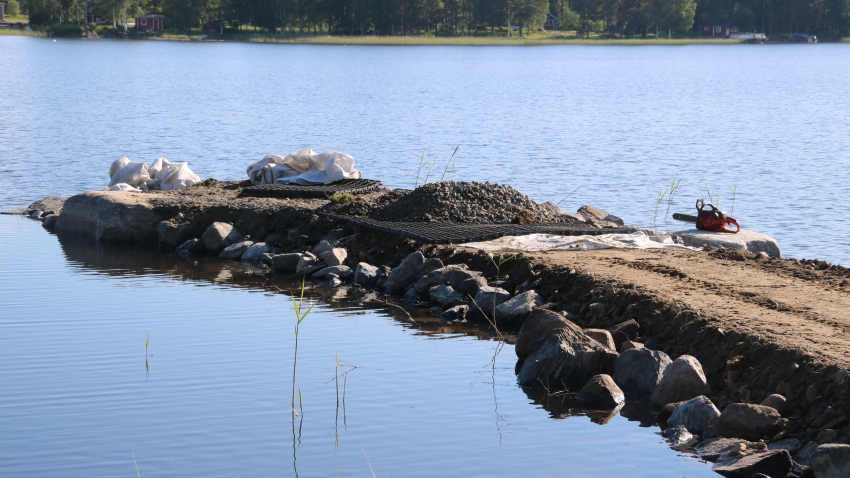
(350, 186)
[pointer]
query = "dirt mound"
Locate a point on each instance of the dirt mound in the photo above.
(469, 202)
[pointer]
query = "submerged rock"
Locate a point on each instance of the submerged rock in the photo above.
(565, 359)
(286, 262)
(255, 252)
(457, 312)
(682, 380)
(602, 392)
(697, 414)
(638, 371)
(344, 273)
(192, 245)
(748, 421)
(680, 436)
(536, 327)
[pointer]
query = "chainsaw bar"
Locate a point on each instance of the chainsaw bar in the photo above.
(685, 218)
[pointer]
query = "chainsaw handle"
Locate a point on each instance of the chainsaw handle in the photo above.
(700, 204)
(731, 221)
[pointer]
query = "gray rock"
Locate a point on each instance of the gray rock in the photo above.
(804, 456)
(536, 327)
(429, 266)
(439, 294)
(616, 220)
(334, 281)
(366, 274)
(748, 421)
(667, 410)
(744, 240)
(827, 436)
(682, 380)
(435, 277)
(471, 286)
(459, 274)
(771, 463)
(344, 273)
(831, 461)
(793, 445)
(50, 203)
(726, 449)
(110, 216)
(513, 312)
(312, 269)
(591, 211)
(638, 371)
(457, 312)
(192, 245)
(630, 328)
(333, 237)
(601, 336)
(778, 403)
(602, 392)
(485, 302)
(553, 208)
(275, 240)
(306, 260)
(287, 263)
(628, 344)
(49, 222)
(267, 259)
(234, 252)
(333, 257)
(565, 359)
(680, 437)
(697, 414)
(35, 214)
(255, 252)
(218, 236)
(404, 274)
(321, 248)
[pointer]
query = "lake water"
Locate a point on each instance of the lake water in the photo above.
(619, 121)
(211, 395)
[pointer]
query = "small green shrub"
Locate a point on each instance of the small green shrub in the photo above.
(343, 198)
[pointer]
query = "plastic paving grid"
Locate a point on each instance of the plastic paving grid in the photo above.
(350, 186)
(459, 233)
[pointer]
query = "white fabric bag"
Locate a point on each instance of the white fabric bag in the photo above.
(132, 174)
(303, 167)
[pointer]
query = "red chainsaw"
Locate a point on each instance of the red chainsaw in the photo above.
(709, 218)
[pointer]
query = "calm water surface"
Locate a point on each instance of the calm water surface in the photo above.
(212, 397)
(619, 121)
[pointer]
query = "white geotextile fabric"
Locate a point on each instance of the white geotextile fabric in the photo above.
(125, 175)
(549, 242)
(303, 167)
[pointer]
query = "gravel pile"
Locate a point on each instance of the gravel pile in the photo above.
(469, 202)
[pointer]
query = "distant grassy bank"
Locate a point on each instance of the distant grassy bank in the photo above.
(500, 38)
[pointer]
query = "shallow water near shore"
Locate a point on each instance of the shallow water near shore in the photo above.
(212, 395)
(619, 121)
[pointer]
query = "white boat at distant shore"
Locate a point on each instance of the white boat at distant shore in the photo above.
(755, 37)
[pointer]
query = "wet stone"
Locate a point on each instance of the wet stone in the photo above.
(366, 274)
(234, 252)
(537, 326)
(286, 262)
(602, 392)
(457, 312)
(513, 312)
(404, 274)
(696, 415)
(639, 371)
(255, 252)
(680, 437)
(770, 463)
(752, 422)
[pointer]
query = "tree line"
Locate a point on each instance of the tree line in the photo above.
(628, 18)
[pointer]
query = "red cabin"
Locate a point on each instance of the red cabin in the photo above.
(152, 22)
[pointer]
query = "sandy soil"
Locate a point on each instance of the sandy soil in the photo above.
(801, 305)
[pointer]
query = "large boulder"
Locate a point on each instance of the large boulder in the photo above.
(696, 415)
(110, 216)
(218, 236)
(321, 248)
(255, 252)
(601, 392)
(565, 359)
(601, 336)
(471, 286)
(630, 328)
(682, 380)
(536, 327)
(306, 261)
(744, 240)
(513, 312)
(234, 252)
(405, 273)
(442, 294)
(772, 463)
(638, 371)
(831, 460)
(434, 277)
(366, 274)
(748, 421)
(429, 266)
(286, 262)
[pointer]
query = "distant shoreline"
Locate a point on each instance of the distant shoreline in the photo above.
(533, 40)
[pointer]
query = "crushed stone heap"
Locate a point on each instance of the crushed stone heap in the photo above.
(468, 202)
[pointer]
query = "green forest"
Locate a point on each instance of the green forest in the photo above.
(600, 18)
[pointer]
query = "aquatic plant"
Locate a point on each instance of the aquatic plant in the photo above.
(418, 174)
(300, 315)
(137, 466)
(711, 197)
(675, 185)
(660, 199)
(734, 193)
(450, 163)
